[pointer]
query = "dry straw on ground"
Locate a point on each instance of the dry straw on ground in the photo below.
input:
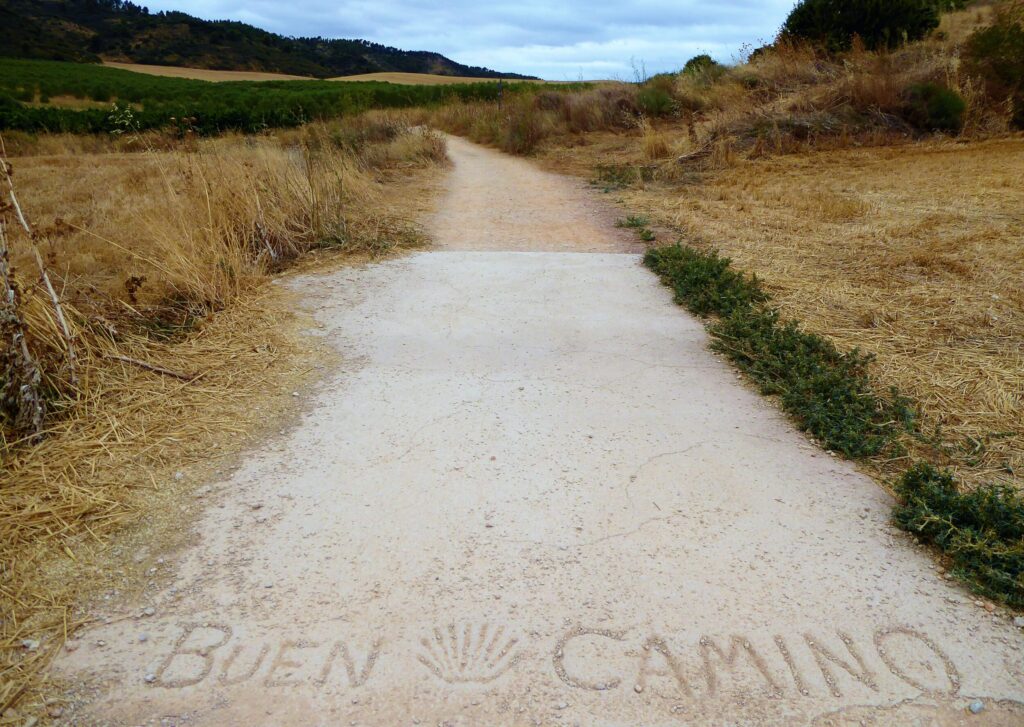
(107, 462)
(204, 74)
(162, 260)
(914, 254)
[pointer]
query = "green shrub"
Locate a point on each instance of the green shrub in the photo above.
(832, 24)
(655, 101)
(934, 107)
(701, 63)
(981, 530)
(704, 282)
(996, 54)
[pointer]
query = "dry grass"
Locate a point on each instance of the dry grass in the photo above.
(653, 142)
(203, 222)
(162, 258)
(914, 254)
(520, 122)
(109, 463)
(956, 26)
(204, 74)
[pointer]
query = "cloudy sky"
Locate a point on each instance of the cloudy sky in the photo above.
(554, 39)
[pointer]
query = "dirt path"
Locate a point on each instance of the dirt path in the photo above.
(532, 497)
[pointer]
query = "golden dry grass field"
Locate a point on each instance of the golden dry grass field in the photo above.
(203, 74)
(914, 253)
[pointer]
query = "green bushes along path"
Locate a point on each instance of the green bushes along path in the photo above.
(830, 395)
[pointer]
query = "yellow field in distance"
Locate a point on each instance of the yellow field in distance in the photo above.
(204, 74)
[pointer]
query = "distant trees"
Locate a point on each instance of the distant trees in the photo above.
(832, 24)
(996, 54)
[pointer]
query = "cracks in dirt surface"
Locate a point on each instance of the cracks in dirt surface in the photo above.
(422, 428)
(649, 460)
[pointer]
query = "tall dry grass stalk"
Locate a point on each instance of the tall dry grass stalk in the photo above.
(653, 142)
(160, 258)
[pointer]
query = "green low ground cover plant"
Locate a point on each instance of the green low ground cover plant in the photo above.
(639, 224)
(828, 392)
(618, 176)
(981, 530)
(635, 222)
(208, 107)
(704, 282)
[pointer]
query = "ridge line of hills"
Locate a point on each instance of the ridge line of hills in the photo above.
(91, 31)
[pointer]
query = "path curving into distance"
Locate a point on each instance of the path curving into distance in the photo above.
(533, 497)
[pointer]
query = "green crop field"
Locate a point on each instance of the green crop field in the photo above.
(27, 87)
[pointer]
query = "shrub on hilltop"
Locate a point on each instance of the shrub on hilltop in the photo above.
(833, 24)
(701, 63)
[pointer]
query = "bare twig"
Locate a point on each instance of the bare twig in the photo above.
(703, 151)
(151, 367)
(23, 374)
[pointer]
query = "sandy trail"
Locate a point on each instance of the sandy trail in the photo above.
(532, 497)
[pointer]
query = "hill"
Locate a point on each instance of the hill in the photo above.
(115, 30)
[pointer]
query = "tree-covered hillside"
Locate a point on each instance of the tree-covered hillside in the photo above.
(94, 30)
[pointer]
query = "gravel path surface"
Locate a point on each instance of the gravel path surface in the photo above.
(532, 496)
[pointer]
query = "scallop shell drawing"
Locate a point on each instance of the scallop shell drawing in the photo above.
(461, 654)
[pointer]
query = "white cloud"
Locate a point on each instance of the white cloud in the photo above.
(572, 38)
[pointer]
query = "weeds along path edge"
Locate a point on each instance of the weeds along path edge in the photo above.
(831, 395)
